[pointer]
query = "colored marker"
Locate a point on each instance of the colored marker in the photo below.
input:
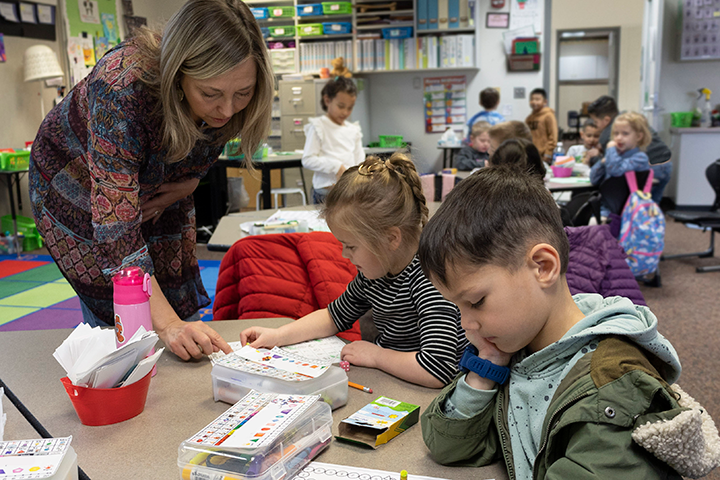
(360, 387)
(403, 474)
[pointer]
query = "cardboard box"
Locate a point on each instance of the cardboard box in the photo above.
(378, 422)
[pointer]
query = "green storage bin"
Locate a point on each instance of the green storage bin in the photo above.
(25, 225)
(681, 119)
(277, 12)
(310, 29)
(14, 160)
(390, 141)
(283, 31)
(337, 8)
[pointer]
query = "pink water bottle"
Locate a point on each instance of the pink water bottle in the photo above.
(131, 303)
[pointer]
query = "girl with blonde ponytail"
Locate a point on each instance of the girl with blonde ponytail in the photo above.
(114, 165)
(377, 211)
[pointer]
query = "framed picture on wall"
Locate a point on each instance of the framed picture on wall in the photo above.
(497, 20)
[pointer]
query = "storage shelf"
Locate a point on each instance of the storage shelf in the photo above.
(268, 2)
(310, 18)
(379, 26)
(386, 12)
(326, 37)
(418, 70)
(277, 19)
(446, 30)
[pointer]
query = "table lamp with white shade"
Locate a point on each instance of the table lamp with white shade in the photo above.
(41, 64)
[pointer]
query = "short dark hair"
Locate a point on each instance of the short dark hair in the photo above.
(589, 123)
(539, 91)
(604, 106)
(489, 98)
(520, 152)
(335, 86)
(492, 217)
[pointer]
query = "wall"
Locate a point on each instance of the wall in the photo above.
(626, 14)
(21, 104)
(680, 81)
(397, 106)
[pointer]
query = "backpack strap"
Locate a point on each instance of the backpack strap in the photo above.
(649, 181)
(631, 180)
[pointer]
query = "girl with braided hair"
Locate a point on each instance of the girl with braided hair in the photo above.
(377, 211)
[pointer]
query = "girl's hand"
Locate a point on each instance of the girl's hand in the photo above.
(361, 353)
(166, 195)
(610, 144)
(261, 337)
(192, 339)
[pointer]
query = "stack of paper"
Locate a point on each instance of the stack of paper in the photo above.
(91, 359)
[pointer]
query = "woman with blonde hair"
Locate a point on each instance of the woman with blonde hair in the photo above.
(114, 165)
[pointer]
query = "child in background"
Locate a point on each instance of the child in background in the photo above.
(603, 112)
(489, 100)
(543, 125)
(521, 153)
(377, 211)
(474, 155)
(505, 131)
(559, 386)
(631, 135)
(332, 144)
(589, 134)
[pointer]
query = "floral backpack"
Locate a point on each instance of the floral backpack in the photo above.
(642, 231)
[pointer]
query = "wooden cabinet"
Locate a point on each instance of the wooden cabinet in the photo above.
(251, 180)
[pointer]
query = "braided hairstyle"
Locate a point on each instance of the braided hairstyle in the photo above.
(375, 196)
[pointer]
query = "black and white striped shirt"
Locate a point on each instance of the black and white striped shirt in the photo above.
(410, 315)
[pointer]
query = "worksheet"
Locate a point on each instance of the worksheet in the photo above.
(328, 471)
(32, 459)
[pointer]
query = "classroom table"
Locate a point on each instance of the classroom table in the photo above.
(180, 403)
(282, 160)
(228, 230)
(448, 154)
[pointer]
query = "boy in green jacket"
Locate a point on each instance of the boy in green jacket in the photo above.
(559, 387)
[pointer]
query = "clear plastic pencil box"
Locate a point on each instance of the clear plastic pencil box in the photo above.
(230, 385)
(300, 442)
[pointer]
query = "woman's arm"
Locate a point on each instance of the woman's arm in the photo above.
(185, 339)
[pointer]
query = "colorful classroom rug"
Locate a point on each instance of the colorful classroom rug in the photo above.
(35, 296)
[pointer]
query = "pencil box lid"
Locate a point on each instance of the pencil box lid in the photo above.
(284, 433)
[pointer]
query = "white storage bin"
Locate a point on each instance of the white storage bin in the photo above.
(230, 385)
(282, 456)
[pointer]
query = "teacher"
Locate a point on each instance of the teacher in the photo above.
(114, 165)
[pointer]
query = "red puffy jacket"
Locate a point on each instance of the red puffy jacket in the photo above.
(286, 275)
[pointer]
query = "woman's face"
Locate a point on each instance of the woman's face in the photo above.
(215, 100)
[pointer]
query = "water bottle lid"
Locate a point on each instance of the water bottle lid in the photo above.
(131, 286)
(129, 276)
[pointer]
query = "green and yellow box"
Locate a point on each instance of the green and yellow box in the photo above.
(378, 422)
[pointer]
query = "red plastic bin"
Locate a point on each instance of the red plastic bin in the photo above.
(105, 406)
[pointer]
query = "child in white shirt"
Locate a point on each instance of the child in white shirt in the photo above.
(590, 135)
(332, 144)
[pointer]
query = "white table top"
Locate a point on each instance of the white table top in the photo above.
(180, 402)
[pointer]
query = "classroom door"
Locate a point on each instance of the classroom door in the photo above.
(650, 68)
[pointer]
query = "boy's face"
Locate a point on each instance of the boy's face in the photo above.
(601, 122)
(537, 102)
(497, 305)
(590, 136)
(481, 142)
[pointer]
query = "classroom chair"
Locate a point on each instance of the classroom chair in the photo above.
(615, 192)
(705, 220)
(280, 191)
(580, 209)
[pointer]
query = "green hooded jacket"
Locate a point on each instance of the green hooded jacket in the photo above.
(613, 416)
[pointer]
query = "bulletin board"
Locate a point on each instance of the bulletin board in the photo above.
(700, 30)
(445, 103)
(27, 19)
(89, 20)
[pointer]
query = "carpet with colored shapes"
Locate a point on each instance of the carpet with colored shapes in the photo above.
(35, 296)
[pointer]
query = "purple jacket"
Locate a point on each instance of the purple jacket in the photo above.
(597, 264)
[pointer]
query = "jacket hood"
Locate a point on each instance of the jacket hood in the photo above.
(612, 316)
(543, 111)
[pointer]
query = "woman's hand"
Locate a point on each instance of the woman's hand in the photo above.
(192, 339)
(362, 353)
(166, 195)
(261, 337)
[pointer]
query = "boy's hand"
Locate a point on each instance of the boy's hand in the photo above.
(593, 152)
(488, 350)
(261, 337)
(361, 353)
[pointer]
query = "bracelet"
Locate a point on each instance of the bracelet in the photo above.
(484, 368)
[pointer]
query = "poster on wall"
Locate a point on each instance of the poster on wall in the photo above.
(445, 103)
(89, 11)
